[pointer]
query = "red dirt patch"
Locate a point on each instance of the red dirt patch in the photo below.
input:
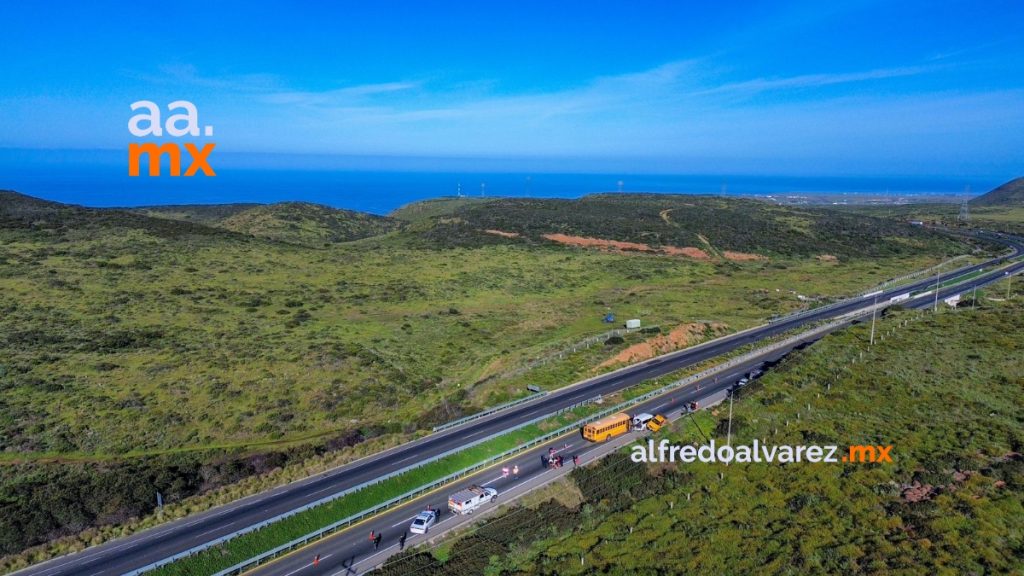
(680, 337)
(597, 242)
(603, 244)
(503, 233)
(687, 251)
(741, 256)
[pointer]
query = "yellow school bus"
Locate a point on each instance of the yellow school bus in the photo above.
(607, 427)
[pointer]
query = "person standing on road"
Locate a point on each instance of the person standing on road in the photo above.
(543, 461)
(376, 541)
(401, 541)
(515, 472)
(371, 535)
(504, 471)
(575, 460)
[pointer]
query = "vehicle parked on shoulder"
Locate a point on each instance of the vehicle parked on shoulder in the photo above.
(423, 521)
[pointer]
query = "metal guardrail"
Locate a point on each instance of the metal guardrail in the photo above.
(894, 283)
(489, 411)
(572, 349)
(252, 528)
(334, 527)
(918, 274)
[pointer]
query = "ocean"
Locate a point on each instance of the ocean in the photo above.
(101, 180)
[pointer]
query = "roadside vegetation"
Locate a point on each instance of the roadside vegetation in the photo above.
(1009, 219)
(142, 354)
(946, 390)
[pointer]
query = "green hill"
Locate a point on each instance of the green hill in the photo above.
(661, 223)
(1009, 194)
(426, 209)
(208, 214)
(18, 211)
(293, 222)
(308, 224)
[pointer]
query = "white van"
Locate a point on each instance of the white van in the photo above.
(640, 420)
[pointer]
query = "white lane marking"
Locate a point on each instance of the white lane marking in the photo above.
(215, 529)
(301, 568)
(400, 522)
(350, 570)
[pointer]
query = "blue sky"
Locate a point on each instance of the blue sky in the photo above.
(860, 87)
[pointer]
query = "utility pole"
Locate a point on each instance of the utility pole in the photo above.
(874, 312)
(728, 436)
(936, 307)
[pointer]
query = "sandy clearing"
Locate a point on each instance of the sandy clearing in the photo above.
(503, 233)
(741, 256)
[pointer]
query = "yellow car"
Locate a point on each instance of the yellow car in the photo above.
(657, 422)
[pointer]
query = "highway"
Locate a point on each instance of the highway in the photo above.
(351, 552)
(133, 552)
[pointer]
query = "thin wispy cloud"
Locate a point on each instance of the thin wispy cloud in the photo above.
(758, 85)
(340, 96)
(188, 76)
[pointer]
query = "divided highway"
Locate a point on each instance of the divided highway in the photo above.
(137, 551)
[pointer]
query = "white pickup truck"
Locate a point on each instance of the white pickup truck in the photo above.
(465, 501)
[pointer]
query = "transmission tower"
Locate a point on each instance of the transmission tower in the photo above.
(965, 213)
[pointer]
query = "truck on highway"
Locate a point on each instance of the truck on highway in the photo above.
(469, 499)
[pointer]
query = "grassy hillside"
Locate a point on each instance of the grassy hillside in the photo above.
(308, 224)
(1008, 219)
(712, 225)
(426, 209)
(209, 214)
(54, 222)
(141, 353)
(947, 391)
(1009, 194)
(293, 222)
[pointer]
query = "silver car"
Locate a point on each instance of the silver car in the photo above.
(423, 521)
